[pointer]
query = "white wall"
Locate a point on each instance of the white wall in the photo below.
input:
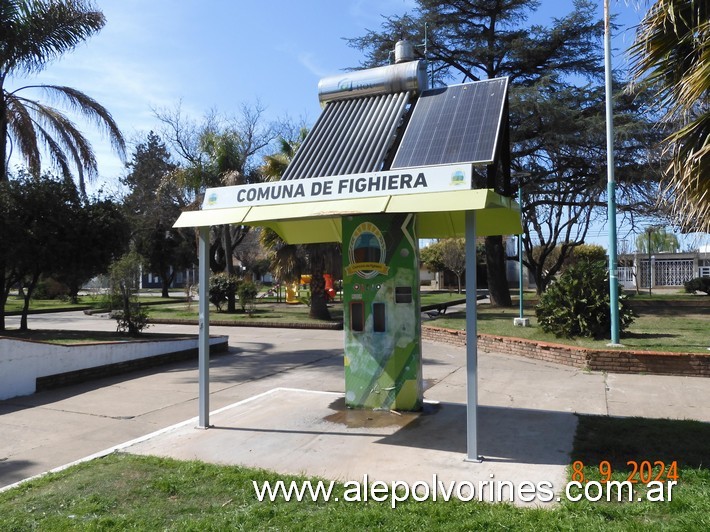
(22, 362)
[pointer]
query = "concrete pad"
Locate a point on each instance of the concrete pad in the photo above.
(312, 433)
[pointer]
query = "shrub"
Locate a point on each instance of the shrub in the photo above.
(247, 291)
(49, 288)
(124, 275)
(586, 253)
(699, 284)
(577, 304)
(132, 322)
(222, 286)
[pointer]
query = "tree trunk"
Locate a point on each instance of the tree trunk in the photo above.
(3, 294)
(3, 177)
(497, 281)
(26, 303)
(166, 278)
(543, 280)
(319, 298)
(73, 290)
(229, 266)
(8, 281)
(217, 263)
(539, 281)
(3, 135)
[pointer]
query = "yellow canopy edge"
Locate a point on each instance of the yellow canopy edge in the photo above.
(211, 217)
(440, 215)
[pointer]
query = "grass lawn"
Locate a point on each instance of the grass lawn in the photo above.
(681, 295)
(681, 330)
(684, 331)
(273, 313)
(267, 309)
(665, 328)
(144, 493)
(15, 303)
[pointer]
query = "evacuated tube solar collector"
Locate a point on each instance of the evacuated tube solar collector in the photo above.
(358, 126)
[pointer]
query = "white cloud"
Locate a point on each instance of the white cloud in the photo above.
(309, 61)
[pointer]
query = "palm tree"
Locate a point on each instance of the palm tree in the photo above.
(290, 261)
(276, 163)
(672, 51)
(35, 32)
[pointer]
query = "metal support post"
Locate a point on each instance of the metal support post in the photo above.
(471, 341)
(204, 324)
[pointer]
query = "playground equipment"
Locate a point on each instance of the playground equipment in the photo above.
(293, 290)
(292, 294)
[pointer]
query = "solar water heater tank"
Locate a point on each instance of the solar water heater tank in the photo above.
(410, 76)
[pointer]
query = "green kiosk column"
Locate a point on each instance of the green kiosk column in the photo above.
(381, 312)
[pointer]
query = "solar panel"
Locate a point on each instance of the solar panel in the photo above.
(454, 124)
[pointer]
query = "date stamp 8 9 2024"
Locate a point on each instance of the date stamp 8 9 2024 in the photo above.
(642, 472)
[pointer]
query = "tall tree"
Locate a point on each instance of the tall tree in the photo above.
(44, 208)
(33, 33)
(453, 255)
(481, 39)
(10, 235)
(289, 261)
(218, 152)
(671, 53)
(53, 231)
(559, 161)
(446, 254)
(657, 240)
(98, 233)
(153, 205)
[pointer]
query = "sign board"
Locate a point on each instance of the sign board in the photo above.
(386, 183)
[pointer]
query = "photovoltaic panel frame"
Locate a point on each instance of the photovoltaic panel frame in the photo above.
(454, 124)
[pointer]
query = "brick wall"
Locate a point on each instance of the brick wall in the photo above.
(612, 360)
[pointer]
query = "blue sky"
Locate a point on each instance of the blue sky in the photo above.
(224, 53)
(221, 54)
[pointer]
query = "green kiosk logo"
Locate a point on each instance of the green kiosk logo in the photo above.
(458, 178)
(367, 252)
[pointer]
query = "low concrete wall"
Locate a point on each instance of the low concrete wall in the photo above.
(610, 360)
(23, 363)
